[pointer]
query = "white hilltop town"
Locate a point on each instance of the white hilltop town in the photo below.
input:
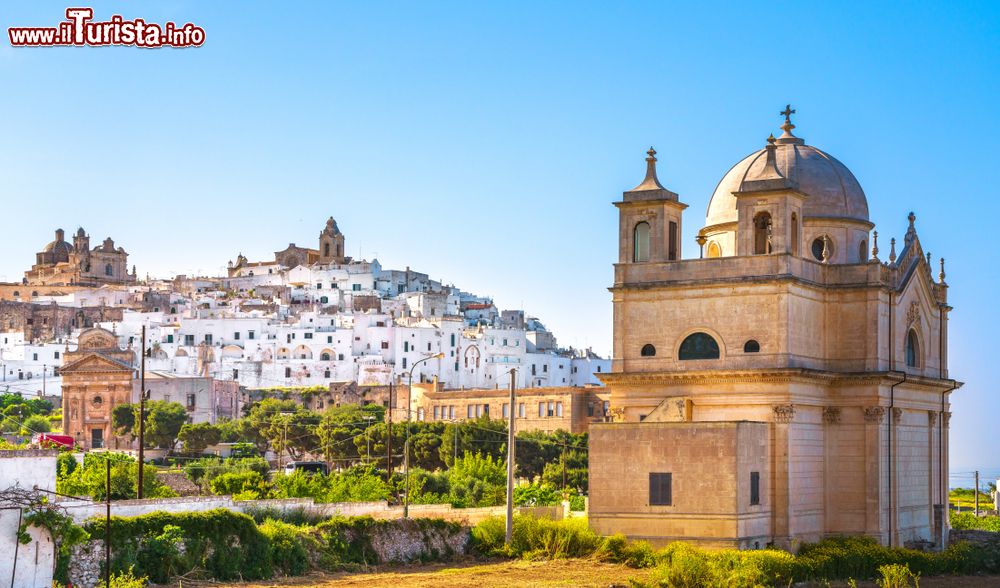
(308, 318)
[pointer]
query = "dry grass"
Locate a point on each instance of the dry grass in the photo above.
(543, 574)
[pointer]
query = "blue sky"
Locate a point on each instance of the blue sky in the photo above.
(484, 144)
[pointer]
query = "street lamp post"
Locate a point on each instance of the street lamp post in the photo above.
(510, 463)
(406, 444)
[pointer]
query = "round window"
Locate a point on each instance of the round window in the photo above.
(818, 245)
(97, 401)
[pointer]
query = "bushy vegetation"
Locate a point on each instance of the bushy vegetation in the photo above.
(683, 565)
(967, 520)
(90, 478)
(225, 545)
(474, 480)
(24, 416)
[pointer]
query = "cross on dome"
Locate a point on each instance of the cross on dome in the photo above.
(787, 113)
(787, 136)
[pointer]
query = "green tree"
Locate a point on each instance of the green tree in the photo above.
(36, 423)
(163, 423)
(285, 425)
(123, 419)
(90, 478)
(478, 480)
(196, 437)
(481, 435)
(241, 431)
(340, 427)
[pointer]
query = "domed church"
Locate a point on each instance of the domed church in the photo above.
(784, 384)
(61, 263)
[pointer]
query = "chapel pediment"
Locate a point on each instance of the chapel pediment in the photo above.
(95, 362)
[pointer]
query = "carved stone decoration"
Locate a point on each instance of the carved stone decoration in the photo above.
(681, 407)
(897, 415)
(831, 415)
(874, 414)
(783, 413)
(913, 314)
(931, 418)
(617, 415)
(946, 418)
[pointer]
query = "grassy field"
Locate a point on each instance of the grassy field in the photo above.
(557, 573)
(541, 574)
(965, 499)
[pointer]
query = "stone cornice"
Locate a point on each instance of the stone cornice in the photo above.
(770, 375)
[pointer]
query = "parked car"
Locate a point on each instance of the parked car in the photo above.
(53, 441)
(309, 467)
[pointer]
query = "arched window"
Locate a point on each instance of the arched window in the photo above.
(640, 242)
(648, 350)
(16, 293)
(108, 270)
(762, 233)
(713, 250)
(326, 250)
(795, 234)
(863, 251)
(698, 346)
(324, 356)
(912, 349)
(751, 346)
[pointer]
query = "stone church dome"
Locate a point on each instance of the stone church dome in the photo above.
(831, 189)
(58, 247)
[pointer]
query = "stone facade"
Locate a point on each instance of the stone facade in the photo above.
(548, 409)
(51, 322)
(62, 263)
(96, 377)
(330, 252)
(790, 324)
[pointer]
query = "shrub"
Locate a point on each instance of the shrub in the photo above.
(224, 544)
(125, 579)
(287, 547)
(248, 485)
(35, 424)
(896, 576)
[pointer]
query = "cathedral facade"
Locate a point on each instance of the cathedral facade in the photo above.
(63, 263)
(785, 385)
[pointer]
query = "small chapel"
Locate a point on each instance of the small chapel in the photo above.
(789, 382)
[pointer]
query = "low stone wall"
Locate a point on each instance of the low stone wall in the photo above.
(985, 538)
(82, 510)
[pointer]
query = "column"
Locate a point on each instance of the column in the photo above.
(783, 415)
(874, 526)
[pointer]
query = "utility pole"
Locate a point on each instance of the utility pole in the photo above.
(406, 445)
(107, 518)
(142, 412)
(977, 493)
(510, 463)
(388, 442)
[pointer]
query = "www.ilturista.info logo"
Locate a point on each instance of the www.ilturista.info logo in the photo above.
(79, 29)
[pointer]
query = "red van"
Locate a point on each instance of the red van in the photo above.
(53, 441)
